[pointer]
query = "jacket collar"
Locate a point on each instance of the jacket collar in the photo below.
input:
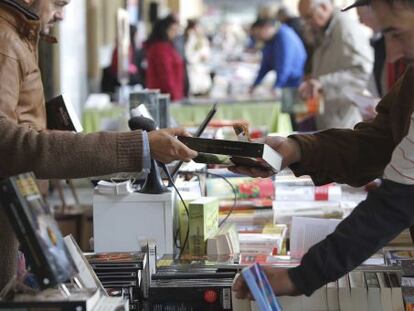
(25, 22)
(324, 36)
(332, 23)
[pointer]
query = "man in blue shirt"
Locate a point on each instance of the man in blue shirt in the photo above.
(283, 52)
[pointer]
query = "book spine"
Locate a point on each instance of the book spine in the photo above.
(308, 193)
(197, 234)
(219, 146)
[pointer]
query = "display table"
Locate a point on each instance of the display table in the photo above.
(258, 114)
(95, 120)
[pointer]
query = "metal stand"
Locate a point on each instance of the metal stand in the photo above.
(77, 282)
(64, 290)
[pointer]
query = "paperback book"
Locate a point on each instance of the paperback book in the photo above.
(61, 115)
(260, 288)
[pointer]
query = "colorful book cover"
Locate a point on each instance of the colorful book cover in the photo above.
(260, 288)
(246, 188)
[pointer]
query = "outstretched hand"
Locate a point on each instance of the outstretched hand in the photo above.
(286, 147)
(310, 89)
(278, 278)
(165, 147)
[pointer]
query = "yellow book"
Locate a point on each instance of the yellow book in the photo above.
(203, 221)
(182, 216)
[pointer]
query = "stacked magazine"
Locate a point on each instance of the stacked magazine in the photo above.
(120, 274)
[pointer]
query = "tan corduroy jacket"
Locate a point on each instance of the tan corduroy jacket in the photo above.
(342, 62)
(25, 144)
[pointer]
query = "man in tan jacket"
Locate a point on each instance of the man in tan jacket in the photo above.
(342, 57)
(25, 143)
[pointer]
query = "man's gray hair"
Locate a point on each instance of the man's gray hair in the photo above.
(315, 3)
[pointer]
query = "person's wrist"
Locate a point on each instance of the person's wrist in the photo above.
(293, 152)
(290, 286)
(281, 282)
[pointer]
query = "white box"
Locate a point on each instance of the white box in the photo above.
(121, 221)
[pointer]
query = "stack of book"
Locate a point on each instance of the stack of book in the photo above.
(363, 289)
(253, 206)
(120, 274)
(270, 241)
(183, 287)
(251, 212)
(300, 197)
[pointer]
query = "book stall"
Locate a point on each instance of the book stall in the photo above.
(180, 236)
(180, 246)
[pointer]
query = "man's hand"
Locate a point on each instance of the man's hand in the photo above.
(278, 279)
(286, 147)
(310, 89)
(165, 147)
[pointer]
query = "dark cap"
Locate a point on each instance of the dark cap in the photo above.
(356, 4)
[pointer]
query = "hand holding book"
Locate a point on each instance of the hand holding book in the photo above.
(166, 148)
(279, 281)
(286, 147)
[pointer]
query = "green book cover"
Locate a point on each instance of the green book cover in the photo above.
(204, 215)
(183, 218)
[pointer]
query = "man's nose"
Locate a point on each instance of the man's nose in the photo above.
(59, 16)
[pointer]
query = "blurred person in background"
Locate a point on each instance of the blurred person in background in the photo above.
(283, 52)
(229, 38)
(341, 57)
(165, 66)
(110, 79)
(267, 11)
(368, 18)
(286, 16)
(253, 45)
(197, 51)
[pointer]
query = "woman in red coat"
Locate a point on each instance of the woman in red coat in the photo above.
(165, 66)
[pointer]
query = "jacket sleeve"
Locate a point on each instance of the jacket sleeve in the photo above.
(9, 76)
(264, 67)
(381, 217)
(357, 156)
(285, 61)
(59, 154)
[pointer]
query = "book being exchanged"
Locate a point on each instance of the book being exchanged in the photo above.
(61, 115)
(234, 153)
